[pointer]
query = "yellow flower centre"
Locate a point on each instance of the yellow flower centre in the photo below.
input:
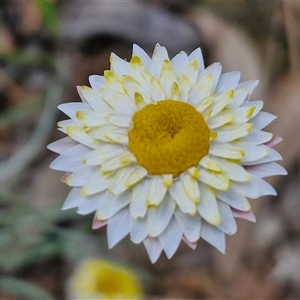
(168, 137)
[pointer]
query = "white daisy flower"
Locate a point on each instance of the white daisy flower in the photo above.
(166, 150)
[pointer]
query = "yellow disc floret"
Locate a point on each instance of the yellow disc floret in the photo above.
(168, 137)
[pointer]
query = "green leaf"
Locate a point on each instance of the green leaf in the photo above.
(21, 288)
(50, 15)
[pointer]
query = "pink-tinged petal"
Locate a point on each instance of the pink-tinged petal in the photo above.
(117, 227)
(249, 215)
(62, 145)
(153, 248)
(170, 238)
(274, 141)
(193, 246)
(97, 224)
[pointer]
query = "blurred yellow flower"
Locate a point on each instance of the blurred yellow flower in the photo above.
(100, 279)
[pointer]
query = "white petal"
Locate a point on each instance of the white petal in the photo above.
(117, 227)
(119, 120)
(197, 55)
(81, 135)
(62, 145)
(71, 108)
(111, 204)
(157, 191)
(118, 102)
(226, 150)
(138, 174)
(273, 155)
(167, 78)
(191, 70)
(138, 229)
(138, 205)
(247, 188)
(220, 102)
(191, 187)
(117, 162)
(182, 200)
(103, 153)
(206, 84)
(179, 62)
(117, 184)
(78, 178)
(113, 83)
(118, 65)
(96, 183)
(90, 204)
(93, 98)
(170, 238)
(218, 181)
(253, 152)
(257, 137)
(228, 223)
(159, 55)
(112, 134)
(266, 169)
(189, 225)
(233, 171)
(71, 160)
(227, 81)
(264, 187)
(220, 120)
(232, 132)
(96, 81)
(235, 199)
(157, 90)
(91, 118)
(262, 119)
(238, 99)
(137, 92)
(208, 208)
(153, 248)
(74, 199)
(213, 236)
(159, 217)
(249, 86)
(136, 50)
(184, 88)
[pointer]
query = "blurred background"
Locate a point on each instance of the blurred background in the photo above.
(49, 47)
